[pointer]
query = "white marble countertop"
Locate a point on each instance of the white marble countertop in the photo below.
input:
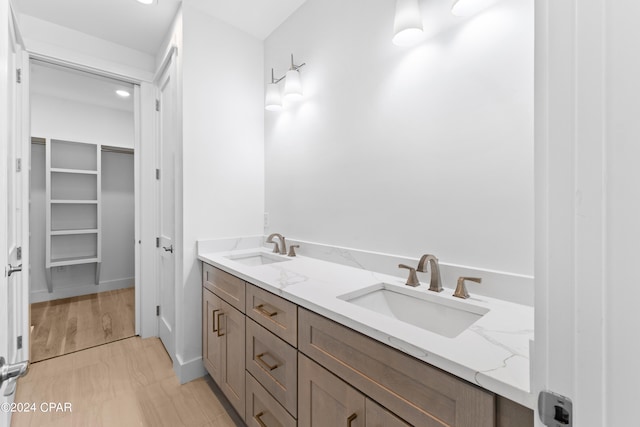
(493, 352)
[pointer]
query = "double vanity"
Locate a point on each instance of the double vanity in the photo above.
(298, 341)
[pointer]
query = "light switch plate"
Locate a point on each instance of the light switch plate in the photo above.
(555, 410)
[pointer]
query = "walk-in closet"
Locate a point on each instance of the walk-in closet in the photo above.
(82, 210)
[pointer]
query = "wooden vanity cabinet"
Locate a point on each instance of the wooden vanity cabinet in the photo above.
(284, 366)
(419, 393)
(223, 341)
(326, 400)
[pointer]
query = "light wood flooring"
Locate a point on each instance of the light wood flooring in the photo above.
(125, 383)
(71, 324)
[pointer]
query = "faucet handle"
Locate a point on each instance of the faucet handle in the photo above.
(292, 250)
(461, 288)
(412, 280)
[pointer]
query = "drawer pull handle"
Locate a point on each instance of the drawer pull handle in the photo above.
(219, 330)
(266, 312)
(351, 418)
(265, 364)
(213, 318)
(258, 418)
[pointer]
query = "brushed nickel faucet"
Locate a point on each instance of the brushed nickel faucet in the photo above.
(435, 284)
(461, 289)
(277, 249)
(412, 280)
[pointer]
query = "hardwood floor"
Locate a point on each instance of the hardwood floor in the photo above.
(71, 324)
(125, 383)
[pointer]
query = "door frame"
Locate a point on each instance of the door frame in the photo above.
(144, 141)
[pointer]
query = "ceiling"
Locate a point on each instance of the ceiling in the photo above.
(256, 17)
(132, 24)
(65, 83)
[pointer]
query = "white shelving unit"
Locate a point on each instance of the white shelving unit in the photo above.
(73, 214)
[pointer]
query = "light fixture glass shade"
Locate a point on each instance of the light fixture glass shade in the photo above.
(293, 85)
(273, 100)
(407, 24)
(469, 7)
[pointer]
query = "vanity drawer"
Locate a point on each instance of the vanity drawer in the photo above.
(274, 364)
(274, 313)
(228, 287)
(420, 393)
(263, 409)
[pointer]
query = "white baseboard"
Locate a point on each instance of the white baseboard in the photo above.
(76, 291)
(190, 370)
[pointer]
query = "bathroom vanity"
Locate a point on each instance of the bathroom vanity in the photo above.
(301, 342)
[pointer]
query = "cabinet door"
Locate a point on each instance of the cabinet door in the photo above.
(211, 343)
(377, 416)
(326, 401)
(231, 324)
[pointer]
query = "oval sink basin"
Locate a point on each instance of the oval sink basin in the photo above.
(257, 258)
(429, 312)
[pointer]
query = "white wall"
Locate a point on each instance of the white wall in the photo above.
(46, 39)
(223, 154)
(68, 120)
(406, 150)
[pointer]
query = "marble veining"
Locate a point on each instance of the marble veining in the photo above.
(493, 352)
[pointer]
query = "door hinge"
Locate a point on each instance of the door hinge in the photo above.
(157, 105)
(19, 343)
(18, 165)
(157, 173)
(19, 75)
(19, 253)
(157, 242)
(157, 310)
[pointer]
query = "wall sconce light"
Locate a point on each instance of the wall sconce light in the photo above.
(292, 87)
(469, 7)
(407, 24)
(273, 101)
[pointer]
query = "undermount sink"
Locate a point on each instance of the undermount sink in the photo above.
(430, 312)
(256, 258)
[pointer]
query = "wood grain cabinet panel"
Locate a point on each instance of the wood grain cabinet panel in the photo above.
(274, 313)
(325, 400)
(377, 416)
(263, 410)
(223, 347)
(228, 287)
(420, 393)
(274, 364)
(211, 343)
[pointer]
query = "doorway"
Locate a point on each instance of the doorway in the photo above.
(82, 215)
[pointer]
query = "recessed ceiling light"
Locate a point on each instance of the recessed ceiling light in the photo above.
(123, 93)
(147, 1)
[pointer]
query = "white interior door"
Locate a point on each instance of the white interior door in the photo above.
(167, 189)
(14, 185)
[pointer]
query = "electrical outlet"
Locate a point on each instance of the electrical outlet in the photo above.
(266, 220)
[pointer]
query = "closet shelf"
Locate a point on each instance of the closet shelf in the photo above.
(72, 232)
(74, 202)
(73, 215)
(78, 171)
(59, 262)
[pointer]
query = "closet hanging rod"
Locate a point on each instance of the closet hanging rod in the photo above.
(121, 150)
